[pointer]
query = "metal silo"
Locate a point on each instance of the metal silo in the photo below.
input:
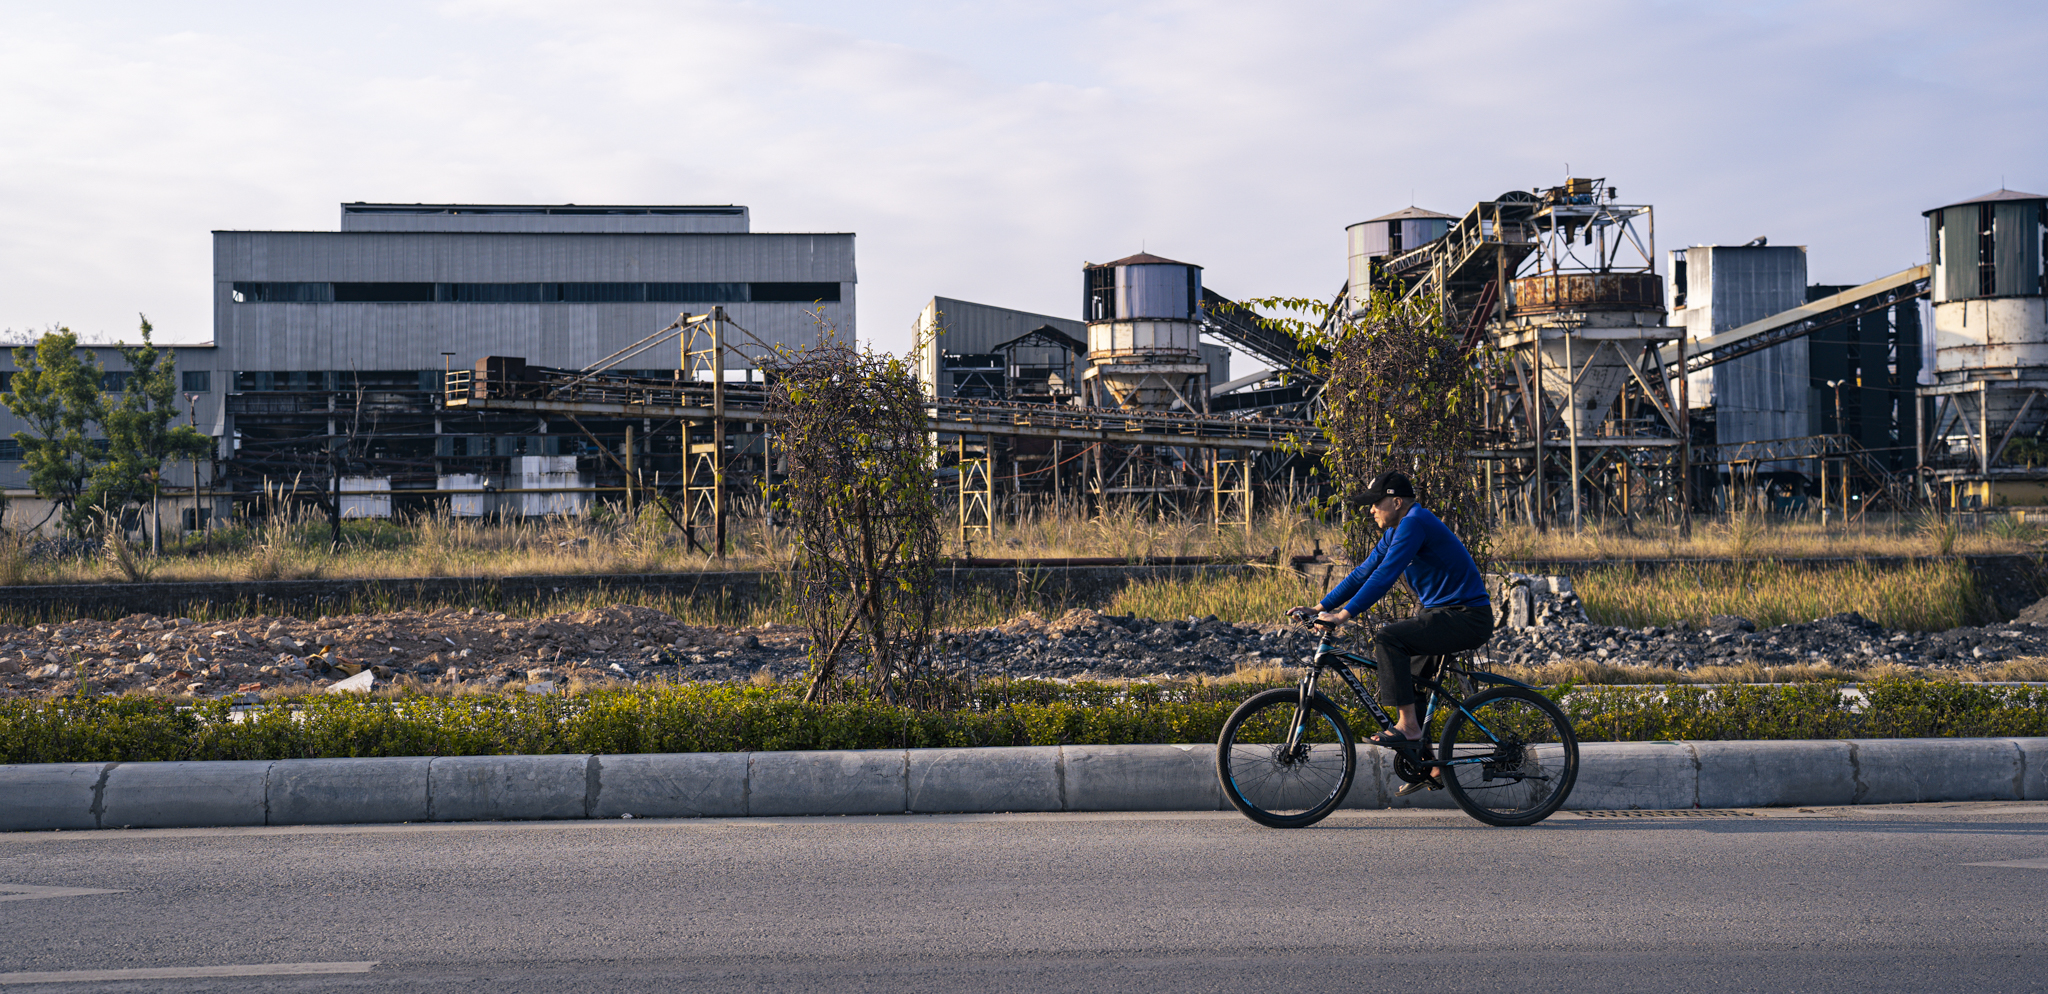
(1144, 322)
(1384, 237)
(1990, 350)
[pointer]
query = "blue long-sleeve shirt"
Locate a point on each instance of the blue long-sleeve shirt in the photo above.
(1437, 565)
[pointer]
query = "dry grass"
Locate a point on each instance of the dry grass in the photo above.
(1931, 595)
(1760, 536)
(291, 544)
(1587, 671)
(297, 544)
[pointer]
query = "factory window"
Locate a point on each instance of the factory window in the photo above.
(384, 293)
(793, 292)
(1678, 279)
(114, 381)
(498, 293)
(198, 381)
(259, 380)
(534, 293)
(283, 293)
(705, 293)
(10, 450)
(6, 382)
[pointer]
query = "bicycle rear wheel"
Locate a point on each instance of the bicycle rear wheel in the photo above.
(1277, 786)
(1531, 757)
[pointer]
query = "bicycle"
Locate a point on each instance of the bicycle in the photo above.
(1507, 754)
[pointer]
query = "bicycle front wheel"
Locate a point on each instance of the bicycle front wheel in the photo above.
(1283, 786)
(1522, 757)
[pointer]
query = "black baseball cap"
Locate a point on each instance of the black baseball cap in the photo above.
(1388, 485)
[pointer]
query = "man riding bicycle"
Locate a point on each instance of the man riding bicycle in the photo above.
(1455, 612)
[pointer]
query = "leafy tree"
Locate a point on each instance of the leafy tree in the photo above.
(140, 436)
(56, 389)
(1401, 392)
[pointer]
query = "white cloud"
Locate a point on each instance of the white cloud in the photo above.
(985, 151)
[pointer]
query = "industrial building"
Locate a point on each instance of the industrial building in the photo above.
(330, 348)
(530, 359)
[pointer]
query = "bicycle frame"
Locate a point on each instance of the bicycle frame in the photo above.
(1329, 656)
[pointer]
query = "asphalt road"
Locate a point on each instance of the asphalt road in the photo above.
(1880, 899)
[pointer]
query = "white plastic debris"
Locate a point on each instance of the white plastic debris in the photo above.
(358, 684)
(626, 817)
(542, 687)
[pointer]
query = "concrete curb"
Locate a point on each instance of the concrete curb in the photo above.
(898, 781)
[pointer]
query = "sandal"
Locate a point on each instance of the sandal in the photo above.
(1433, 783)
(1393, 739)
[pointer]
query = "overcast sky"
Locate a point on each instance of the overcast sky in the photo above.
(983, 150)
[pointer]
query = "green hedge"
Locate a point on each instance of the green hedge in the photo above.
(726, 718)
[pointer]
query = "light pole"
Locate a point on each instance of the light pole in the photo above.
(1842, 467)
(200, 520)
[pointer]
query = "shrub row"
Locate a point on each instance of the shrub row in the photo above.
(728, 718)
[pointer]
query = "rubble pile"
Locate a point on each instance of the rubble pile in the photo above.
(450, 647)
(483, 650)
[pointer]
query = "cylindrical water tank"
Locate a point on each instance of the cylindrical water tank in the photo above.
(1144, 326)
(1387, 235)
(1142, 305)
(1989, 311)
(1991, 333)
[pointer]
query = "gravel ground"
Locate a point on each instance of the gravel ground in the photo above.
(482, 650)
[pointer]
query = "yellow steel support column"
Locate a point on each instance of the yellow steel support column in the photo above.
(977, 492)
(1230, 487)
(704, 486)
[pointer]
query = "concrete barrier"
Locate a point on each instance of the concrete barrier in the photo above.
(1142, 778)
(672, 785)
(894, 781)
(827, 782)
(185, 795)
(1373, 786)
(1026, 778)
(2034, 763)
(1621, 775)
(1905, 771)
(508, 788)
(1763, 774)
(44, 796)
(348, 791)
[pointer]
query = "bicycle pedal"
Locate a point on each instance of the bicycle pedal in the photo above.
(1413, 788)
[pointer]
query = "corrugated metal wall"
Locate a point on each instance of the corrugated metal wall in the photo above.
(1764, 395)
(972, 329)
(1959, 252)
(339, 336)
(434, 257)
(2017, 245)
(413, 336)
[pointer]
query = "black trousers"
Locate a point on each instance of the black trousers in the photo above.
(1434, 631)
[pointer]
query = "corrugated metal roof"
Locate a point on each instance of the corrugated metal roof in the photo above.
(1141, 259)
(1409, 213)
(497, 257)
(1995, 196)
(542, 217)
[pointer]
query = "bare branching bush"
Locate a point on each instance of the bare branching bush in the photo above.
(860, 499)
